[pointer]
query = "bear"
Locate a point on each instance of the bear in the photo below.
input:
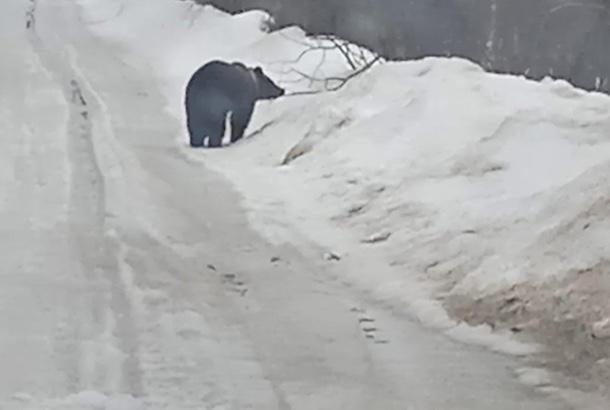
(217, 88)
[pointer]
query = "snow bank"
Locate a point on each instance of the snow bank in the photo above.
(463, 181)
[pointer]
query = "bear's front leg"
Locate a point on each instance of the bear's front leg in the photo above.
(240, 118)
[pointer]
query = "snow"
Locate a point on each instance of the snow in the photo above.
(86, 400)
(473, 181)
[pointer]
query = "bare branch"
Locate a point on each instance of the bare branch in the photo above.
(357, 58)
(342, 80)
(354, 73)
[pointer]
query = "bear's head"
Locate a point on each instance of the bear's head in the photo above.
(266, 88)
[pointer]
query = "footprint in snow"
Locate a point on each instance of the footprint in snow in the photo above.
(368, 326)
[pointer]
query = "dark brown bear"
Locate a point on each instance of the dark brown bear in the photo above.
(218, 88)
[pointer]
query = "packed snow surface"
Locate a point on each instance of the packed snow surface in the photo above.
(461, 180)
(131, 278)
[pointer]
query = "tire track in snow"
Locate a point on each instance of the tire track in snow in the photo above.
(192, 355)
(30, 16)
(105, 361)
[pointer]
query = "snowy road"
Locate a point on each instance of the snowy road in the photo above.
(128, 269)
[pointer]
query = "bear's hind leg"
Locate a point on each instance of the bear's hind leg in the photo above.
(216, 130)
(197, 132)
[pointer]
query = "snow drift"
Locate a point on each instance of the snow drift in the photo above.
(462, 182)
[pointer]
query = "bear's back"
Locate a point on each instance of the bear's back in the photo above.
(231, 78)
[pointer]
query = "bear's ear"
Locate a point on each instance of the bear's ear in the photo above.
(258, 70)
